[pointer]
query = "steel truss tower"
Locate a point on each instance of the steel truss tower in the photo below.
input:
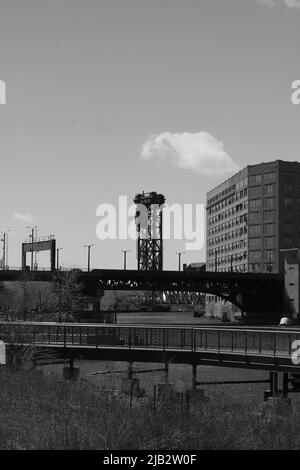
(149, 227)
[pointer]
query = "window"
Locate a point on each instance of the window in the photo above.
(254, 256)
(255, 191)
(254, 217)
(270, 242)
(287, 202)
(269, 189)
(287, 242)
(269, 229)
(255, 230)
(255, 204)
(269, 256)
(269, 216)
(288, 215)
(269, 202)
(287, 188)
(255, 179)
(269, 177)
(255, 243)
(288, 228)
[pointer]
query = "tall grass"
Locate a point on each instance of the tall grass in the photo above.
(39, 412)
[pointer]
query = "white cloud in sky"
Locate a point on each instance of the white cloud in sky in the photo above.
(275, 3)
(23, 217)
(199, 152)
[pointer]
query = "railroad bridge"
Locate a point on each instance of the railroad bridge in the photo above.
(253, 293)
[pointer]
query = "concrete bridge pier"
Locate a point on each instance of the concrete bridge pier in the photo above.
(93, 312)
(195, 393)
(130, 384)
(71, 372)
(274, 391)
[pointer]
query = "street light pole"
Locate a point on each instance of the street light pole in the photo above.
(3, 256)
(32, 238)
(89, 255)
(57, 258)
(5, 249)
(125, 257)
(179, 253)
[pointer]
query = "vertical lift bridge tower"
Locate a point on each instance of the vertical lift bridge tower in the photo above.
(149, 227)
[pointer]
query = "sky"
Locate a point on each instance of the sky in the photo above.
(112, 97)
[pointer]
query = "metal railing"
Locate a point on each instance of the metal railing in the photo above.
(40, 239)
(44, 268)
(248, 341)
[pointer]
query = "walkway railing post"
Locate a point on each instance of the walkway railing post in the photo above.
(272, 382)
(285, 384)
(194, 376)
(129, 339)
(166, 372)
(260, 343)
(130, 370)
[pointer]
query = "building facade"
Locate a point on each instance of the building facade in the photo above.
(251, 217)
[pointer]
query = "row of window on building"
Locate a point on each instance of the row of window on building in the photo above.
(265, 178)
(228, 236)
(236, 221)
(227, 202)
(228, 247)
(270, 203)
(246, 267)
(228, 213)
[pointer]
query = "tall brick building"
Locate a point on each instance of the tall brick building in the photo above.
(252, 216)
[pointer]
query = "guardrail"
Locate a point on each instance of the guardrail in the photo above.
(254, 341)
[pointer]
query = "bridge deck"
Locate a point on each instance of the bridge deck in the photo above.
(257, 348)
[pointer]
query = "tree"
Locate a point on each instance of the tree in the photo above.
(68, 295)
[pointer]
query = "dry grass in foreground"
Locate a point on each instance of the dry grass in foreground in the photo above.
(38, 412)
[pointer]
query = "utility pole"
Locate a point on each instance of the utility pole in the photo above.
(5, 249)
(3, 256)
(32, 241)
(125, 257)
(36, 253)
(179, 253)
(57, 258)
(89, 255)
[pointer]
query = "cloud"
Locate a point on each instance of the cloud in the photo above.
(23, 217)
(275, 3)
(199, 152)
